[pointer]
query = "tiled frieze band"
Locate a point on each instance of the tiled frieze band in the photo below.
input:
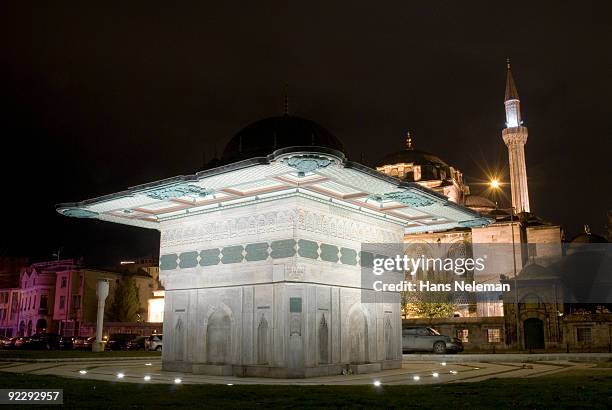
(261, 251)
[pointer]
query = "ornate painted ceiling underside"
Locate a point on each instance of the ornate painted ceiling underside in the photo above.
(318, 173)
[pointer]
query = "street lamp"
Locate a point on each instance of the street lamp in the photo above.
(495, 184)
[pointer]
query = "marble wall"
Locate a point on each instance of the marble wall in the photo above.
(274, 290)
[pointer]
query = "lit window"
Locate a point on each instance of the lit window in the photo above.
(583, 335)
(462, 334)
(494, 335)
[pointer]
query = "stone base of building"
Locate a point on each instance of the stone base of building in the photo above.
(279, 372)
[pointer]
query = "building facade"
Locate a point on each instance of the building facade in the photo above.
(60, 297)
(9, 311)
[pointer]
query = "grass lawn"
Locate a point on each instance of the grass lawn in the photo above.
(64, 354)
(581, 389)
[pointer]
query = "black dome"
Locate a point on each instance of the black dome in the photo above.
(266, 136)
(414, 156)
(535, 271)
(588, 238)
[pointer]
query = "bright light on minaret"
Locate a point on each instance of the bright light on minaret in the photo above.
(512, 113)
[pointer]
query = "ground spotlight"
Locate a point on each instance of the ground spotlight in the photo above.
(177, 380)
(453, 372)
(443, 363)
(83, 371)
(230, 384)
(416, 378)
(147, 364)
(120, 375)
(147, 378)
(434, 374)
(377, 383)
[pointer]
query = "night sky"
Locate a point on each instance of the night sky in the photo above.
(97, 99)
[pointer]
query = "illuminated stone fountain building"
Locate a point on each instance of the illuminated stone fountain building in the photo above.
(261, 255)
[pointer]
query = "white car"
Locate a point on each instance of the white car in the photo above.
(154, 342)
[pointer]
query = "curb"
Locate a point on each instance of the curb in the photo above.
(510, 357)
(76, 359)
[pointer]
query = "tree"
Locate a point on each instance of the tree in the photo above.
(125, 303)
(428, 304)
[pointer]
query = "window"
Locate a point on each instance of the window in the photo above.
(76, 301)
(64, 281)
(43, 301)
(494, 335)
(532, 251)
(62, 302)
(462, 334)
(583, 335)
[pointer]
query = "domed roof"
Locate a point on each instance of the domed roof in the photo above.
(411, 156)
(263, 137)
(535, 271)
(588, 238)
(475, 201)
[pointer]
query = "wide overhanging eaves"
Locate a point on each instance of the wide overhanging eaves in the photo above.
(318, 173)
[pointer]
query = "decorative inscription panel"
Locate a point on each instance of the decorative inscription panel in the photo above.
(328, 225)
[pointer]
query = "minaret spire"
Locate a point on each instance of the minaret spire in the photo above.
(515, 138)
(511, 92)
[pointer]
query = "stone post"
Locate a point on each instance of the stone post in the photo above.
(102, 291)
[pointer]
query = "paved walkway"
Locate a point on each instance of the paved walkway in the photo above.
(413, 371)
(512, 357)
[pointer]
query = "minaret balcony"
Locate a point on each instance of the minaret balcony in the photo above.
(515, 135)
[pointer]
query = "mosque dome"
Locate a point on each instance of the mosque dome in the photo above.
(414, 165)
(588, 238)
(535, 271)
(263, 137)
(411, 156)
(479, 202)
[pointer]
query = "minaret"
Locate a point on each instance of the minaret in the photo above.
(515, 137)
